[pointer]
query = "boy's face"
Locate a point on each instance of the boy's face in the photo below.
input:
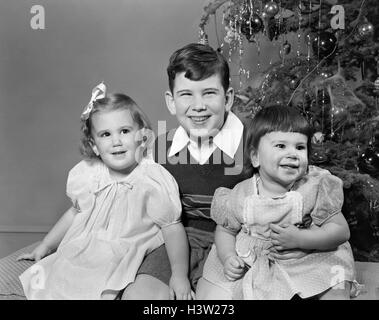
(199, 106)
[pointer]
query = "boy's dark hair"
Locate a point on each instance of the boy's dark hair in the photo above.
(199, 62)
(270, 119)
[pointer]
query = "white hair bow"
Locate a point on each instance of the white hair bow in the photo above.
(98, 92)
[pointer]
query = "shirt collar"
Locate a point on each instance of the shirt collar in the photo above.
(227, 140)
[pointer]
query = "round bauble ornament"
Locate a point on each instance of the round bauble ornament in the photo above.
(325, 74)
(324, 44)
(365, 30)
(271, 8)
(293, 83)
(368, 161)
(251, 25)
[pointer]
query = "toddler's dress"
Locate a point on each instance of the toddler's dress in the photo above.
(117, 223)
(314, 199)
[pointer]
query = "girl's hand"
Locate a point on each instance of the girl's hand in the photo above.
(180, 288)
(284, 237)
(38, 253)
(234, 268)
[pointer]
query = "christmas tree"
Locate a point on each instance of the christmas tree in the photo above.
(332, 79)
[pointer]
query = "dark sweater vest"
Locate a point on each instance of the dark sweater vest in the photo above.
(197, 183)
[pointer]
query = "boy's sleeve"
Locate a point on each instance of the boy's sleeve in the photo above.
(329, 199)
(224, 209)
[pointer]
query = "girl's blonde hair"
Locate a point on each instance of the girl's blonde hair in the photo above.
(115, 101)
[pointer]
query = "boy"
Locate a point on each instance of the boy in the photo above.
(204, 153)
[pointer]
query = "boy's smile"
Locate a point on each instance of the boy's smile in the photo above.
(199, 106)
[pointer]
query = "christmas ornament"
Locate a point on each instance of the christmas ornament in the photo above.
(368, 161)
(286, 48)
(251, 25)
(365, 30)
(319, 154)
(271, 8)
(326, 74)
(318, 138)
(294, 82)
(324, 44)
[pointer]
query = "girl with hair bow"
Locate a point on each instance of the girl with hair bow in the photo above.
(124, 206)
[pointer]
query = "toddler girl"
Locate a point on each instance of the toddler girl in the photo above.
(124, 206)
(285, 205)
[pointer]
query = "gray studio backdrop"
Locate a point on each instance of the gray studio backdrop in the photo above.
(46, 78)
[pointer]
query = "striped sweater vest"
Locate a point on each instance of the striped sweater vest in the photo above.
(197, 183)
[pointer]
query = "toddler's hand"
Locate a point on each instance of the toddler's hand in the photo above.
(234, 267)
(284, 237)
(38, 253)
(180, 288)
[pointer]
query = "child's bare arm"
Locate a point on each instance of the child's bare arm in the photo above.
(178, 253)
(225, 244)
(329, 235)
(53, 238)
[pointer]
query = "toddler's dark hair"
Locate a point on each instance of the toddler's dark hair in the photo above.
(270, 119)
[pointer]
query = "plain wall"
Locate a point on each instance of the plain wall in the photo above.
(47, 77)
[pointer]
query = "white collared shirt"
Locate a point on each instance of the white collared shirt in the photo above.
(227, 140)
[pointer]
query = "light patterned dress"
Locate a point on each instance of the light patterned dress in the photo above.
(117, 223)
(314, 199)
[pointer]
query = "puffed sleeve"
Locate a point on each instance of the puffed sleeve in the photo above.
(163, 200)
(79, 181)
(329, 198)
(226, 209)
